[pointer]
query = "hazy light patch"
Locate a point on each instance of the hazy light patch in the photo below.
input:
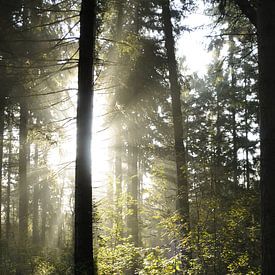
(100, 144)
(193, 45)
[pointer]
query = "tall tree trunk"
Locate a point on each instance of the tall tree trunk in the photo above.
(132, 197)
(9, 180)
(266, 41)
(2, 108)
(60, 218)
(235, 148)
(44, 206)
(83, 237)
(233, 114)
(118, 128)
(132, 219)
(181, 165)
(23, 188)
(35, 228)
(247, 164)
(217, 182)
(118, 189)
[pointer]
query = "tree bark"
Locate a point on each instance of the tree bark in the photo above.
(233, 115)
(247, 163)
(44, 206)
(35, 228)
(9, 180)
(23, 188)
(132, 219)
(181, 165)
(266, 43)
(83, 253)
(118, 183)
(2, 108)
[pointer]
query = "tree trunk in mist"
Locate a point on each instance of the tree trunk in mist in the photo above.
(266, 41)
(83, 237)
(233, 115)
(21, 267)
(118, 182)
(23, 187)
(247, 165)
(132, 197)
(181, 165)
(132, 219)
(216, 180)
(61, 218)
(9, 181)
(2, 108)
(117, 130)
(35, 228)
(44, 206)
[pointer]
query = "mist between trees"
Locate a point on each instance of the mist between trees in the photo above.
(116, 158)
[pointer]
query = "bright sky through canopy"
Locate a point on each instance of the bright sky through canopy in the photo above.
(193, 45)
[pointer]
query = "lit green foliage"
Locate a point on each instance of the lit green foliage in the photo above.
(117, 259)
(156, 262)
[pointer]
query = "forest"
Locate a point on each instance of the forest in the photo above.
(118, 155)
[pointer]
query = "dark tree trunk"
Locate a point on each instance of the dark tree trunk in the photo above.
(44, 206)
(2, 108)
(132, 197)
(217, 182)
(35, 228)
(9, 181)
(118, 182)
(233, 115)
(235, 148)
(181, 166)
(83, 256)
(132, 219)
(23, 188)
(247, 164)
(61, 218)
(266, 41)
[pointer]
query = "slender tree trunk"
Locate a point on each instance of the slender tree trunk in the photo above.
(118, 182)
(35, 228)
(217, 181)
(9, 181)
(60, 218)
(235, 149)
(2, 108)
(44, 206)
(132, 219)
(247, 164)
(83, 257)
(23, 188)
(21, 268)
(132, 197)
(266, 41)
(233, 115)
(181, 165)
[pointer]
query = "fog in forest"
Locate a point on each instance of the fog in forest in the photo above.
(174, 133)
